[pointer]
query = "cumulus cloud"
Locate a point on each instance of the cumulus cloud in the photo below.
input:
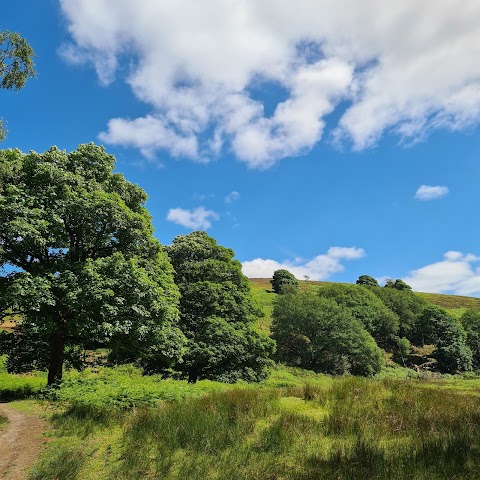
(232, 197)
(319, 268)
(426, 192)
(457, 273)
(404, 68)
(198, 219)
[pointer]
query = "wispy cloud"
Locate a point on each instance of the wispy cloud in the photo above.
(427, 192)
(232, 197)
(198, 219)
(319, 268)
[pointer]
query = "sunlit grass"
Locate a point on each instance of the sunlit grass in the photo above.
(318, 427)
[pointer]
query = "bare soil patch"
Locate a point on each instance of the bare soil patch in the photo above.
(20, 442)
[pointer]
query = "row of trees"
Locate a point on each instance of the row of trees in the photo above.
(339, 328)
(82, 269)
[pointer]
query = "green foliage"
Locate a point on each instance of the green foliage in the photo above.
(397, 284)
(217, 313)
(436, 326)
(367, 280)
(316, 333)
(16, 65)
(282, 278)
(348, 428)
(87, 269)
(379, 321)
(471, 323)
(20, 386)
(407, 305)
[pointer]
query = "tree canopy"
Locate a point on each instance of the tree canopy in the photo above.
(80, 260)
(16, 64)
(407, 305)
(397, 284)
(435, 326)
(471, 323)
(282, 278)
(367, 280)
(365, 306)
(319, 334)
(217, 313)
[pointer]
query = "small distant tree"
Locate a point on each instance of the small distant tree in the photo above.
(281, 278)
(316, 333)
(403, 350)
(367, 280)
(397, 284)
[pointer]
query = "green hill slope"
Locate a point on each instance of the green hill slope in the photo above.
(456, 305)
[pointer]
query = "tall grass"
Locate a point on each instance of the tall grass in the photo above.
(344, 428)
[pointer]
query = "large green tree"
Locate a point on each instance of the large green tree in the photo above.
(319, 334)
(408, 305)
(80, 263)
(471, 323)
(365, 306)
(16, 64)
(217, 313)
(435, 326)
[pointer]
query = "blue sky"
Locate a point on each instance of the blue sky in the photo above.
(324, 126)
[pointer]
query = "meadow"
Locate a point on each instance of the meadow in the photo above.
(117, 424)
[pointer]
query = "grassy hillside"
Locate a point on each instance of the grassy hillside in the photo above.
(262, 291)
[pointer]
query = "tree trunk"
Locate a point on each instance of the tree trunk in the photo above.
(192, 375)
(55, 370)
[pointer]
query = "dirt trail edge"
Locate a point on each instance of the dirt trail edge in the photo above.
(20, 442)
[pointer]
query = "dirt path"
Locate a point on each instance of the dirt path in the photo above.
(20, 442)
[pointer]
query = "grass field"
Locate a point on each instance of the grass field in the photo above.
(298, 425)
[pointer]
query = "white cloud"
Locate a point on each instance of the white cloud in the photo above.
(456, 273)
(426, 192)
(198, 219)
(319, 268)
(232, 197)
(402, 67)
